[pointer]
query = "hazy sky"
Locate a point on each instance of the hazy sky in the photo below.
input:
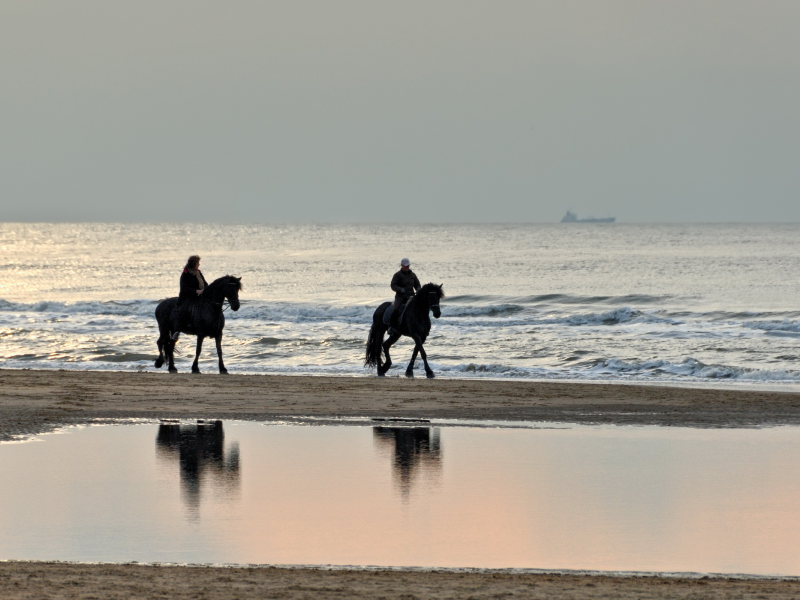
(406, 111)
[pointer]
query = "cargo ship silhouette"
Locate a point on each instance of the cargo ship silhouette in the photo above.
(571, 217)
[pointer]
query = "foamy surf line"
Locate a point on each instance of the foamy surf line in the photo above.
(549, 337)
(498, 309)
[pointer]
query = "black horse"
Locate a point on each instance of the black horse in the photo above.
(207, 320)
(416, 324)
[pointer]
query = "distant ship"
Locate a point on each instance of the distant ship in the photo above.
(571, 217)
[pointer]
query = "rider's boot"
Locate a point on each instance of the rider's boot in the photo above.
(387, 318)
(184, 318)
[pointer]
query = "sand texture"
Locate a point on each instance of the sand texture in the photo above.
(36, 401)
(20, 580)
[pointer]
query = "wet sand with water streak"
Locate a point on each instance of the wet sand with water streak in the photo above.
(34, 402)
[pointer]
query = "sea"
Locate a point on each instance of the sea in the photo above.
(683, 304)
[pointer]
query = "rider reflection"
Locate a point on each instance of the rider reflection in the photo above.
(200, 451)
(415, 450)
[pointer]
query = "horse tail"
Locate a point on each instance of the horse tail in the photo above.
(162, 318)
(375, 342)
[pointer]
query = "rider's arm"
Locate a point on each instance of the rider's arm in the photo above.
(416, 283)
(395, 285)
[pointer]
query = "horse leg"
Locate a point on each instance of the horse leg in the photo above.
(160, 360)
(410, 368)
(386, 345)
(195, 368)
(169, 346)
(428, 370)
(222, 369)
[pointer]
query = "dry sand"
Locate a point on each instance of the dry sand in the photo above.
(37, 401)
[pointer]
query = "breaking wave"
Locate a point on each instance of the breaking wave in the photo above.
(692, 368)
(111, 307)
(785, 325)
(532, 337)
(688, 370)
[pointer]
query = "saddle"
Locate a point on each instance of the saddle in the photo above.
(186, 310)
(394, 318)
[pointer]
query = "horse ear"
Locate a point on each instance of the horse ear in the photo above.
(238, 279)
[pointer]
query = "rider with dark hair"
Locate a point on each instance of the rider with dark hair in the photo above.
(192, 285)
(404, 284)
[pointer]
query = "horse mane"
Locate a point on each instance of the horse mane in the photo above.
(238, 281)
(221, 280)
(432, 287)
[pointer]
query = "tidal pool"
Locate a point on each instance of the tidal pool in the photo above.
(563, 497)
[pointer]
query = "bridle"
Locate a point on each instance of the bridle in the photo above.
(432, 306)
(224, 305)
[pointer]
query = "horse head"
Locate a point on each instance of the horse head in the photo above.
(233, 286)
(433, 293)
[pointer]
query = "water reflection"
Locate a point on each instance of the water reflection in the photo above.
(200, 452)
(413, 449)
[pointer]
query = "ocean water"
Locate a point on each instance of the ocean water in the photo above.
(647, 303)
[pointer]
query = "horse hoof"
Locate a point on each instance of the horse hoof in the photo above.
(195, 371)
(410, 374)
(173, 370)
(222, 371)
(430, 375)
(381, 374)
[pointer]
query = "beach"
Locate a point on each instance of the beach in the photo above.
(20, 580)
(38, 401)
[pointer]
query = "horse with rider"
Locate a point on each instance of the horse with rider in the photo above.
(408, 315)
(199, 310)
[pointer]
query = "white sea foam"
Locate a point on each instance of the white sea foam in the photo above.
(693, 368)
(529, 301)
(784, 325)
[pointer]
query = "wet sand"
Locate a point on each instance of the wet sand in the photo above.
(20, 580)
(34, 402)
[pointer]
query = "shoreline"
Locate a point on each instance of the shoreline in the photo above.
(681, 575)
(34, 402)
(765, 385)
(37, 401)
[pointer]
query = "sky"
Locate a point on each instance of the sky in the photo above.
(369, 111)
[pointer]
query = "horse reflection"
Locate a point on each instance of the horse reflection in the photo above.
(200, 451)
(414, 449)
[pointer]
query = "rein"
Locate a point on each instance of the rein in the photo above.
(430, 306)
(223, 305)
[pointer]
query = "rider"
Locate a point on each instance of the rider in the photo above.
(404, 284)
(192, 285)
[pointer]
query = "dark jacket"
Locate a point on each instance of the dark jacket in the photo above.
(190, 285)
(403, 283)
